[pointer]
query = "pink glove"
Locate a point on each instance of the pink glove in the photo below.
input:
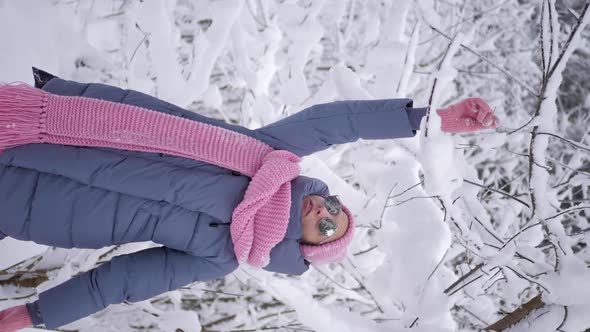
(14, 319)
(470, 114)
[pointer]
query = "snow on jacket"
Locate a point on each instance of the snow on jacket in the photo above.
(69, 196)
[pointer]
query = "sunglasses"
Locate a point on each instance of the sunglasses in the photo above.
(328, 226)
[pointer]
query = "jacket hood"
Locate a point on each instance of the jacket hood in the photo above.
(286, 256)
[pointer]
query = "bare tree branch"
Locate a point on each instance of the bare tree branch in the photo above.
(542, 41)
(517, 315)
(567, 45)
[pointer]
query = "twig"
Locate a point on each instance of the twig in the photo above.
(411, 198)
(489, 62)
(365, 289)
(101, 257)
(385, 208)
(218, 321)
(498, 191)
(493, 282)
(552, 41)
(141, 309)
(381, 320)
(484, 194)
(474, 315)
(475, 269)
(542, 42)
(36, 260)
(476, 16)
(265, 329)
(370, 294)
(566, 46)
(487, 230)
(428, 109)
(527, 279)
(567, 211)
(365, 251)
(566, 140)
(334, 281)
(255, 17)
(403, 192)
(145, 35)
(567, 167)
(493, 246)
(407, 69)
(446, 53)
(414, 322)
(290, 311)
(556, 266)
(521, 256)
(212, 291)
(520, 232)
(464, 245)
(442, 203)
(18, 297)
(565, 311)
(521, 127)
(465, 285)
(437, 265)
(26, 279)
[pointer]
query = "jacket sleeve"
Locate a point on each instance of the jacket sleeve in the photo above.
(133, 277)
(320, 126)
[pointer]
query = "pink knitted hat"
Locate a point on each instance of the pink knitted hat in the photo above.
(334, 251)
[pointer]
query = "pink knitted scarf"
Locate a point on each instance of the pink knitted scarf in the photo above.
(259, 222)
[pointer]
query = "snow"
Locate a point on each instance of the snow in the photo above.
(254, 62)
(19, 251)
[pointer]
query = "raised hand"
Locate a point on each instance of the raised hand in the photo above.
(471, 114)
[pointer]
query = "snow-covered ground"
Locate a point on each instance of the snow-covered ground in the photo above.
(421, 224)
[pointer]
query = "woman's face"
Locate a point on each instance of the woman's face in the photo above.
(313, 210)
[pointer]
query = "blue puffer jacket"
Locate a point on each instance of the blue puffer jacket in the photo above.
(80, 197)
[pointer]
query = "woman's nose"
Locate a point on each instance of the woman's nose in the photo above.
(320, 209)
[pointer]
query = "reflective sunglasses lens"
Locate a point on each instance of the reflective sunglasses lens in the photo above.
(327, 227)
(332, 204)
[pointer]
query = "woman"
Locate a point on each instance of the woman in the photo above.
(120, 166)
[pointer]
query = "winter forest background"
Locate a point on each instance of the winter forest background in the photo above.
(454, 231)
